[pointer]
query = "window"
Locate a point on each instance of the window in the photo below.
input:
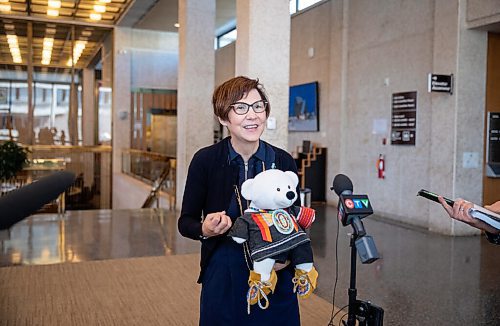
(226, 38)
(104, 103)
(298, 5)
(230, 36)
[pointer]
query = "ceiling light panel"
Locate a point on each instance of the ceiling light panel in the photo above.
(51, 38)
(54, 4)
(100, 8)
(17, 7)
(5, 7)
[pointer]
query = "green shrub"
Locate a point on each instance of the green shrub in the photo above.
(12, 159)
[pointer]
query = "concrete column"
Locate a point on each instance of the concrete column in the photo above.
(469, 125)
(457, 120)
(195, 83)
(88, 107)
(121, 93)
(263, 51)
(29, 68)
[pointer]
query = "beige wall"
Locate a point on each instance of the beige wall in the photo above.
(225, 63)
(481, 13)
(377, 49)
(363, 52)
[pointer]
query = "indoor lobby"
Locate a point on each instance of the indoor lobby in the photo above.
(131, 267)
(399, 95)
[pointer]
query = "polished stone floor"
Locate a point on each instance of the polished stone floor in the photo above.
(421, 279)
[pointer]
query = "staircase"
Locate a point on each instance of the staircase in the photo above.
(312, 171)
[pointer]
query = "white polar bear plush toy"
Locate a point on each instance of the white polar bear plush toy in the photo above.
(273, 229)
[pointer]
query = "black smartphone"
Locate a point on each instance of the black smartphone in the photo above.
(434, 197)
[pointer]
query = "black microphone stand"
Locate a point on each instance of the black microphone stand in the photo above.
(364, 312)
(358, 228)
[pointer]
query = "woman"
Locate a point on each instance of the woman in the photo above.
(212, 190)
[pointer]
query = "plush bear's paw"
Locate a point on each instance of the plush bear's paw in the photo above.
(259, 290)
(304, 282)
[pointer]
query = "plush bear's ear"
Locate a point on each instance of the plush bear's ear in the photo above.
(246, 189)
(293, 177)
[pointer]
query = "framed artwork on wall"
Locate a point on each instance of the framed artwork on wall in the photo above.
(303, 109)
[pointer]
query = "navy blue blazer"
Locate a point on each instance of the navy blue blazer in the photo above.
(209, 188)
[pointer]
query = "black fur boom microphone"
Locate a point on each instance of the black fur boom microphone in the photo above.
(20, 203)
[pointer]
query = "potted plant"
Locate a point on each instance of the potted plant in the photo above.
(13, 158)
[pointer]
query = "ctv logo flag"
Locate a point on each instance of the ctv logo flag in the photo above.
(356, 203)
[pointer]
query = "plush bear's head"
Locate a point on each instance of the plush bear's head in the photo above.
(271, 189)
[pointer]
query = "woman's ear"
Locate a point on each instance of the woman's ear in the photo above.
(222, 122)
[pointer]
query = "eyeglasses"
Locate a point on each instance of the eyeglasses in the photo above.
(241, 108)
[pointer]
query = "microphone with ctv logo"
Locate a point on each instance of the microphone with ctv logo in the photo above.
(20, 203)
(352, 208)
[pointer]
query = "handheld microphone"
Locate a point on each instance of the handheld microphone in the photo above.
(352, 208)
(20, 203)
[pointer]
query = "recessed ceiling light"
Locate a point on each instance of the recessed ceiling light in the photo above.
(177, 25)
(105, 1)
(15, 51)
(95, 16)
(48, 42)
(52, 12)
(5, 7)
(11, 39)
(99, 8)
(54, 4)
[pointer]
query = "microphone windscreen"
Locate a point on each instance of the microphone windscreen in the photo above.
(20, 203)
(342, 183)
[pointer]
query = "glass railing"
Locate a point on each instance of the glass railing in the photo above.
(151, 168)
(91, 165)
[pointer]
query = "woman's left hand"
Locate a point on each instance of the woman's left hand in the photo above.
(460, 212)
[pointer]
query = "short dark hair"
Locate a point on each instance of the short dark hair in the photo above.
(232, 91)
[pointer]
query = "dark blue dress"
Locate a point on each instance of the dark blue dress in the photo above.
(225, 280)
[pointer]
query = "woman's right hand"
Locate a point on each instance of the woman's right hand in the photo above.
(216, 224)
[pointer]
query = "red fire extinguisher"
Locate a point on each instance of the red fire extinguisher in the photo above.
(381, 166)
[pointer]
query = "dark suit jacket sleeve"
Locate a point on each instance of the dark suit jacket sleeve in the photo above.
(194, 198)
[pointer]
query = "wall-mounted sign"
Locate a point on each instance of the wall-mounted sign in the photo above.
(440, 83)
(493, 145)
(404, 118)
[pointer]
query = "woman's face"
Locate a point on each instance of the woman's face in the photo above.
(246, 128)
